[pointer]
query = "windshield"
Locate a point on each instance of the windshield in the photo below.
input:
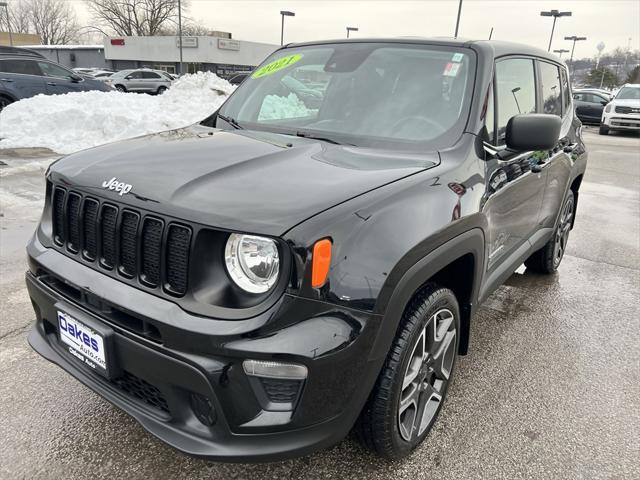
(628, 93)
(359, 93)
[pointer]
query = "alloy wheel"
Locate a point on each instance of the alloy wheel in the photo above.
(562, 232)
(427, 375)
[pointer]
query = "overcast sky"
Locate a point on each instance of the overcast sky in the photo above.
(613, 22)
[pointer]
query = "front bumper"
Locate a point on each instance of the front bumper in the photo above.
(165, 356)
(621, 121)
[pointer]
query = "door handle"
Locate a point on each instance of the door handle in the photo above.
(52, 84)
(5, 80)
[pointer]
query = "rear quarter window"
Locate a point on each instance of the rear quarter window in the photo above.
(20, 66)
(551, 89)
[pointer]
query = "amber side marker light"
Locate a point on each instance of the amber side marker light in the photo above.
(321, 260)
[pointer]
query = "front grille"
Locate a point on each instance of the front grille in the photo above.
(128, 238)
(123, 240)
(142, 390)
(73, 218)
(90, 229)
(108, 219)
(622, 109)
(178, 241)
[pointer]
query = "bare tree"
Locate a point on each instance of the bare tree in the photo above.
(53, 20)
(134, 17)
(18, 16)
(190, 28)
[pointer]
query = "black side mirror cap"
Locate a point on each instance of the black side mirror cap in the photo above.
(76, 78)
(533, 131)
(603, 102)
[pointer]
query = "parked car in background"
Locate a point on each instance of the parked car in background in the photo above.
(589, 105)
(140, 80)
(23, 75)
(101, 75)
(623, 112)
(238, 78)
(93, 71)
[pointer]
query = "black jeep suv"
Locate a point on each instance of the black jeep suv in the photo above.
(309, 258)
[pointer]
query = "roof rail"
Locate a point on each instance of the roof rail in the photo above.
(18, 52)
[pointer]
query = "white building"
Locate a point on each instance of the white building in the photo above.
(223, 56)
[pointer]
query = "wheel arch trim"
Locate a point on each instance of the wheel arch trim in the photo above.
(470, 242)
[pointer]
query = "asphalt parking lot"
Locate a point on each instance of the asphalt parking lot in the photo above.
(550, 388)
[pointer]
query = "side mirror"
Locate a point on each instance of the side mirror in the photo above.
(603, 102)
(76, 78)
(128, 77)
(533, 131)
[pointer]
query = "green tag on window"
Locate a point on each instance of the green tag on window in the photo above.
(276, 65)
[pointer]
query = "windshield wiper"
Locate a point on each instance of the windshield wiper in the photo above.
(311, 136)
(230, 121)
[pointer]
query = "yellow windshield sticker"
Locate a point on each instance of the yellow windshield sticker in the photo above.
(276, 65)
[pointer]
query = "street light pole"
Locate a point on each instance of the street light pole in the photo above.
(284, 13)
(6, 9)
(351, 29)
(180, 33)
(555, 14)
(458, 19)
(574, 39)
(561, 51)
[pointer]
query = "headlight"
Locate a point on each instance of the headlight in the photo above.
(252, 262)
(607, 108)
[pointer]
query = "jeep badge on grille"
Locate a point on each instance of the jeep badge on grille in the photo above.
(114, 184)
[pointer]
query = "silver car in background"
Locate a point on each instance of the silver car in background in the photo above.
(140, 80)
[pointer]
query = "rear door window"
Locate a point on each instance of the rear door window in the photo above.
(515, 91)
(150, 75)
(551, 89)
(19, 66)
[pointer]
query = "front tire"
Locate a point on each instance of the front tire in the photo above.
(161, 90)
(548, 258)
(121, 88)
(413, 382)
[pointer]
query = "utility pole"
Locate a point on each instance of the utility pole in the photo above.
(180, 33)
(351, 29)
(555, 14)
(458, 20)
(284, 13)
(491, 33)
(574, 39)
(560, 52)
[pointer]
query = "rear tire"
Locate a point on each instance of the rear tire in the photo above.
(121, 88)
(548, 258)
(604, 130)
(413, 382)
(4, 101)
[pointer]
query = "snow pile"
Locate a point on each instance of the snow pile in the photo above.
(75, 121)
(275, 107)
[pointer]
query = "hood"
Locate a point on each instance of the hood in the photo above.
(631, 102)
(244, 181)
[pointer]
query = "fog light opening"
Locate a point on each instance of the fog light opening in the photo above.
(203, 409)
